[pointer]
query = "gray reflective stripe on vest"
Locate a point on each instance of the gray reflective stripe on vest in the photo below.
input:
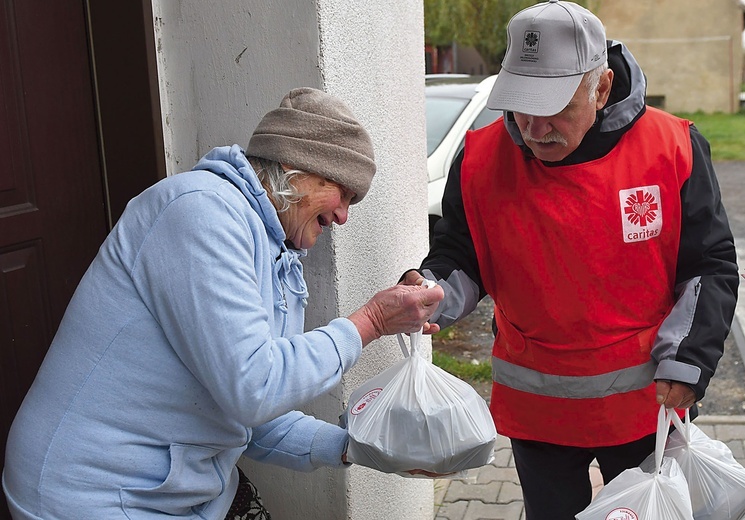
(572, 387)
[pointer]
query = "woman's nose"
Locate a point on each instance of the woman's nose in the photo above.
(341, 213)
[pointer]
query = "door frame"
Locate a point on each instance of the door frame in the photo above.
(124, 64)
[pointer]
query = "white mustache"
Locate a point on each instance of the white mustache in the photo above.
(552, 137)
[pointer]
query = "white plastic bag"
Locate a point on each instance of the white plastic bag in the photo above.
(716, 480)
(636, 495)
(414, 415)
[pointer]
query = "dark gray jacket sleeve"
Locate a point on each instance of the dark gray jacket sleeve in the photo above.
(691, 339)
(452, 258)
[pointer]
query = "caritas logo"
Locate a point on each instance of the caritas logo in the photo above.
(366, 399)
(641, 213)
(622, 513)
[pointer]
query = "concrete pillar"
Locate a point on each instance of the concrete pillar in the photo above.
(222, 65)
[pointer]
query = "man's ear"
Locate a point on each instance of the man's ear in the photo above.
(604, 86)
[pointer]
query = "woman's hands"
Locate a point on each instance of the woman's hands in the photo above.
(401, 308)
(411, 472)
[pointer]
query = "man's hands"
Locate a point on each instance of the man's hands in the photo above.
(401, 308)
(412, 277)
(674, 395)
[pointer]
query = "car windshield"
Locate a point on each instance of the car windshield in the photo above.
(441, 113)
(486, 117)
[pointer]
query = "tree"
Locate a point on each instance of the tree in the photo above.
(481, 24)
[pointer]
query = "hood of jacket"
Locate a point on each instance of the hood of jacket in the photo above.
(231, 162)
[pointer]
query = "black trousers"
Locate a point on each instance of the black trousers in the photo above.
(555, 479)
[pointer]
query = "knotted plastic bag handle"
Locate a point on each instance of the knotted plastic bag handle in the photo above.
(414, 337)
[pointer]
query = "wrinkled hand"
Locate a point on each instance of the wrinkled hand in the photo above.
(674, 394)
(412, 278)
(401, 308)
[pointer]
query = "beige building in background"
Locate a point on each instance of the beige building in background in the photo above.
(690, 50)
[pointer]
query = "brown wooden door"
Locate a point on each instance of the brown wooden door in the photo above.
(55, 206)
(52, 213)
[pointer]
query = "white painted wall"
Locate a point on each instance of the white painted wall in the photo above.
(222, 65)
(372, 52)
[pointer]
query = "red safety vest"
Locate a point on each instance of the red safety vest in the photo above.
(580, 261)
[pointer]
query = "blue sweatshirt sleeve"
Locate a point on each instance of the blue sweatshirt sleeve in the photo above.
(197, 273)
(299, 442)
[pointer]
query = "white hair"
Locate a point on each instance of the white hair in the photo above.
(276, 181)
(592, 80)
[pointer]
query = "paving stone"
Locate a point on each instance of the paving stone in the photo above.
(452, 511)
(462, 491)
(730, 432)
(480, 511)
(502, 442)
(474, 476)
(502, 457)
(497, 474)
(510, 492)
(441, 487)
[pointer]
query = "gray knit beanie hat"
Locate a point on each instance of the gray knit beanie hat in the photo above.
(316, 132)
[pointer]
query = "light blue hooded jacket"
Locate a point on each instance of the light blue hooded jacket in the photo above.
(181, 350)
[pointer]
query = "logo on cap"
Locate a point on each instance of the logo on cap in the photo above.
(531, 41)
(641, 213)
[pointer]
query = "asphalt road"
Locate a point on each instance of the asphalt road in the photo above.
(731, 177)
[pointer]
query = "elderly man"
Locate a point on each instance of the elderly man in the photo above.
(596, 225)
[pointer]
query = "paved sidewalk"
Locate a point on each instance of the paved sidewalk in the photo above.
(493, 492)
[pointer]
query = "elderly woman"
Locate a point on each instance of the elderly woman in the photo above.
(183, 346)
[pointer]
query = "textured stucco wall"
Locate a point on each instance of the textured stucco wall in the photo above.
(373, 53)
(690, 50)
(222, 65)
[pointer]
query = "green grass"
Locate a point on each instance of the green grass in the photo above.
(466, 370)
(725, 133)
(445, 334)
(462, 369)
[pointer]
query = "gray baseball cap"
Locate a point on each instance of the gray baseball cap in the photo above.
(550, 46)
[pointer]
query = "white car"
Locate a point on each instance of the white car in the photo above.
(454, 104)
